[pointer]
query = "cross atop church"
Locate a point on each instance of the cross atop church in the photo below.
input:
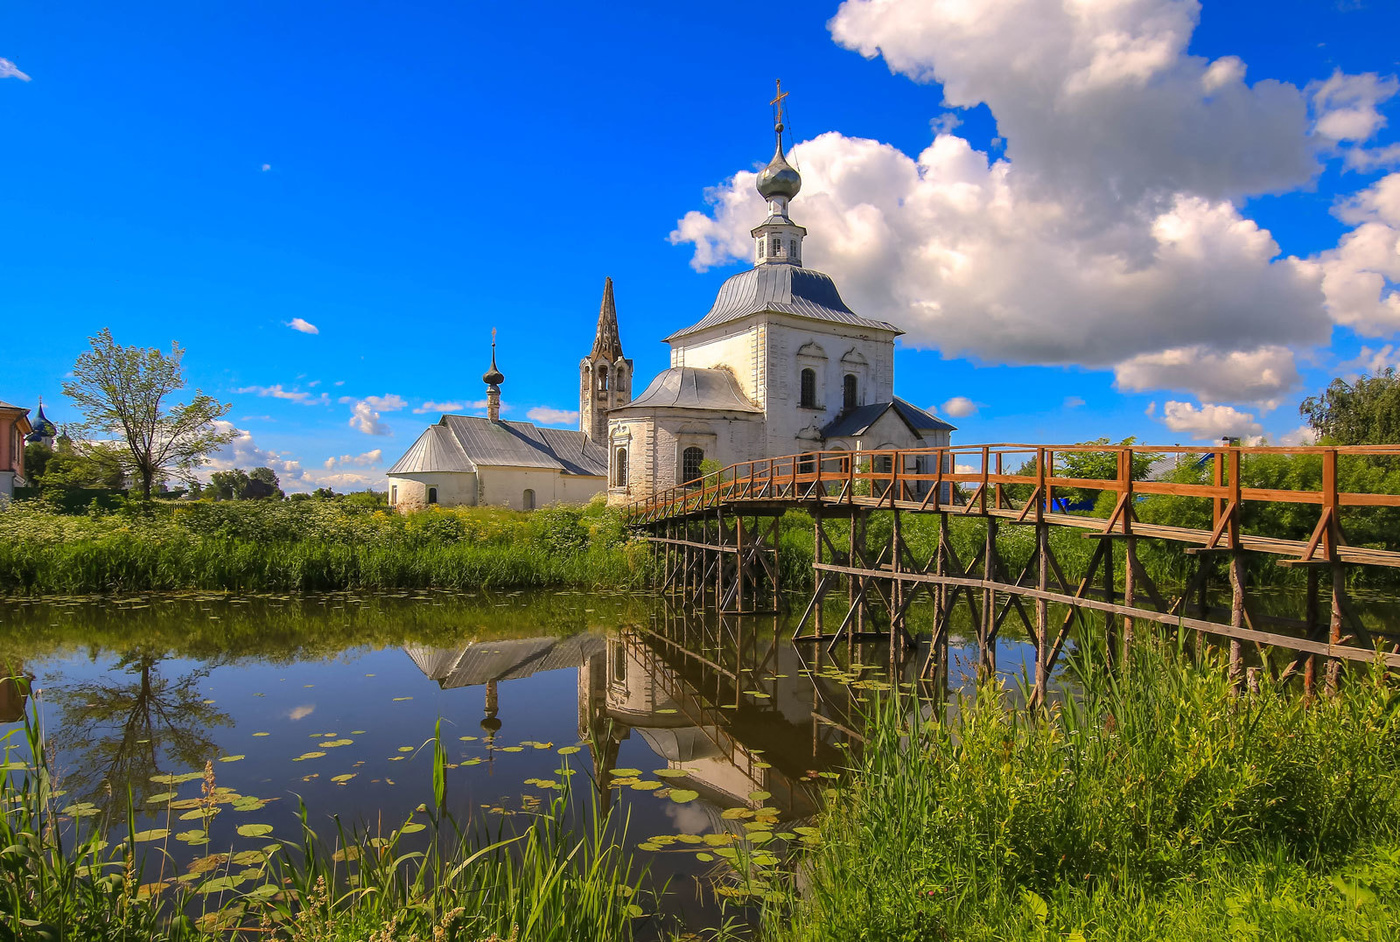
(777, 104)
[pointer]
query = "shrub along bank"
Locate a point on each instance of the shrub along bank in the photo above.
(302, 546)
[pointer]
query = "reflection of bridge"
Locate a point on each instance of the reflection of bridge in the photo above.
(717, 538)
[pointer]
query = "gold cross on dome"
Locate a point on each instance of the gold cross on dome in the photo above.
(777, 103)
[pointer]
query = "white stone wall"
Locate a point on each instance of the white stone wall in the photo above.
(739, 347)
(792, 344)
(656, 442)
(498, 487)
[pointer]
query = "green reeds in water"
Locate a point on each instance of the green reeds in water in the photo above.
(1154, 804)
(71, 874)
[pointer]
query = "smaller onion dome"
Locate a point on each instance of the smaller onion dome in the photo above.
(493, 376)
(41, 427)
(778, 178)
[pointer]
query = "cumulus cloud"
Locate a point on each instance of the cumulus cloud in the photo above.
(9, 70)
(1374, 361)
(306, 327)
(291, 395)
(550, 416)
(243, 452)
(1359, 276)
(365, 418)
(362, 460)
(959, 407)
(1209, 421)
(1110, 233)
(1073, 402)
(1302, 435)
(453, 406)
(1260, 375)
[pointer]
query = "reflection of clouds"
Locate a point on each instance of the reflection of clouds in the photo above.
(690, 818)
(302, 712)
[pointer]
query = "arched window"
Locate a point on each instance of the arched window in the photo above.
(527, 500)
(393, 494)
(809, 389)
(602, 379)
(806, 464)
(691, 460)
(432, 495)
(620, 468)
(848, 392)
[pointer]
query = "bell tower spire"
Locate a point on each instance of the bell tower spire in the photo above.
(778, 240)
(605, 375)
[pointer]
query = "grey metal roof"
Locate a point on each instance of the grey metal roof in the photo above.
(858, 420)
(477, 662)
(465, 442)
(437, 449)
(687, 387)
(784, 289)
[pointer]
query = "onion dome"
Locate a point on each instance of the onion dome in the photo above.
(778, 178)
(42, 428)
(493, 376)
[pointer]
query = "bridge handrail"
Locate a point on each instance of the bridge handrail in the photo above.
(902, 475)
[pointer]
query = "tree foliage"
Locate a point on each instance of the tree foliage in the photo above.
(237, 484)
(1364, 412)
(124, 395)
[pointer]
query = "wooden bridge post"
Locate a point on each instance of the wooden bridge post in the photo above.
(1237, 573)
(1042, 582)
(986, 630)
(1310, 625)
(741, 569)
(1331, 508)
(897, 631)
(1130, 560)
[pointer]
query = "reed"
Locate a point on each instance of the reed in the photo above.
(1157, 804)
(540, 877)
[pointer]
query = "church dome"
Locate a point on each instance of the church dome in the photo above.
(778, 178)
(41, 428)
(493, 376)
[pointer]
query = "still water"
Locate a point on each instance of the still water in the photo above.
(680, 721)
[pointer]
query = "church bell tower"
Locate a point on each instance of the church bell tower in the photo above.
(605, 375)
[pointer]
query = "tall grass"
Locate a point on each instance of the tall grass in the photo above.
(67, 876)
(311, 546)
(1154, 805)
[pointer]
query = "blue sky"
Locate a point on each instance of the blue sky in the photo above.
(1122, 230)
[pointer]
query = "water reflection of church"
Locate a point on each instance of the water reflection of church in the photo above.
(727, 703)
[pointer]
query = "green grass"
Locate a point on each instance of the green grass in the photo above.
(311, 546)
(66, 876)
(1155, 806)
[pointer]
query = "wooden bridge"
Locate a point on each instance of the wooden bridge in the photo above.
(717, 542)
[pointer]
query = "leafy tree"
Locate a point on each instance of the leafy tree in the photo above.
(1100, 465)
(227, 485)
(1366, 412)
(95, 465)
(123, 393)
(36, 460)
(262, 483)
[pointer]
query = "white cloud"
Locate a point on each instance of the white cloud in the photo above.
(243, 452)
(365, 418)
(453, 406)
(1110, 235)
(1260, 375)
(1073, 402)
(266, 167)
(959, 407)
(291, 395)
(1359, 276)
(306, 327)
(363, 460)
(9, 70)
(1374, 361)
(1302, 435)
(1346, 106)
(546, 415)
(1209, 421)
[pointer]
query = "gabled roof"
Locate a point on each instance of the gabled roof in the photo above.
(783, 289)
(467, 442)
(687, 387)
(859, 420)
(478, 662)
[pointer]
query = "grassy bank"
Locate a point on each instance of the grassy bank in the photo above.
(67, 872)
(1159, 806)
(307, 546)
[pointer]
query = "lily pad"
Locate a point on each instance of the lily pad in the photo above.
(760, 796)
(567, 750)
(413, 827)
(626, 773)
(231, 758)
(160, 799)
(671, 773)
(254, 830)
(342, 779)
(154, 834)
(682, 795)
(197, 836)
(308, 755)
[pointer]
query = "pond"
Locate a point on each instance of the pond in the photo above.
(686, 723)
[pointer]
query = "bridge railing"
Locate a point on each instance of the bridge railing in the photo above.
(1032, 480)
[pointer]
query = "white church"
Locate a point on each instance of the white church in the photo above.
(779, 365)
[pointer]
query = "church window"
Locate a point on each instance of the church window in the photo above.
(602, 379)
(393, 494)
(848, 392)
(762, 244)
(777, 248)
(620, 468)
(809, 389)
(527, 500)
(432, 495)
(806, 465)
(792, 248)
(691, 459)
